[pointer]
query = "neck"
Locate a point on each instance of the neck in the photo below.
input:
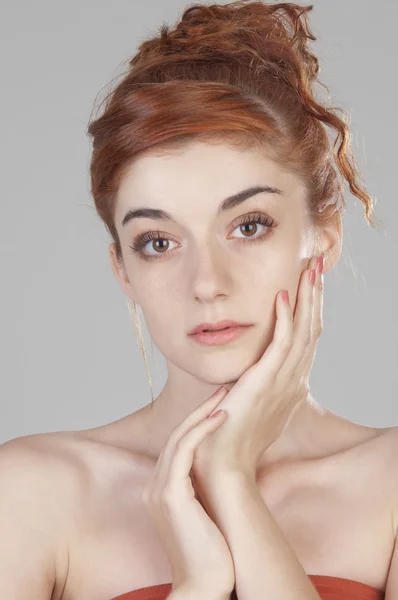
(308, 434)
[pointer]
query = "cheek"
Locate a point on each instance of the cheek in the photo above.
(149, 290)
(163, 314)
(285, 274)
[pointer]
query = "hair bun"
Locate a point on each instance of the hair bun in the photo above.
(249, 30)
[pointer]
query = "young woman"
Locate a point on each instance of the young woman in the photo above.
(214, 175)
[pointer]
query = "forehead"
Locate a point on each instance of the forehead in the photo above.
(200, 173)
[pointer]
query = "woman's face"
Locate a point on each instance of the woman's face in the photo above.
(206, 265)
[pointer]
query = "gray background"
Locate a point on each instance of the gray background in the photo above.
(70, 358)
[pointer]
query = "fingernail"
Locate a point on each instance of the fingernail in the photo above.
(285, 296)
(218, 412)
(221, 390)
(312, 276)
(319, 264)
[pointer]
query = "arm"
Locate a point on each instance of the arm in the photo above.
(27, 544)
(265, 565)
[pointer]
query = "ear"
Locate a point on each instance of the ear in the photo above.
(119, 271)
(328, 241)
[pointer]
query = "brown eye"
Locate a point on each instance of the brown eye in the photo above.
(162, 244)
(142, 241)
(254, 220)
(250, 225)
(162, 249)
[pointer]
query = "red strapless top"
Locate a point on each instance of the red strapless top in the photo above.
(328, 587)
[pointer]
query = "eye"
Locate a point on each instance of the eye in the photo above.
(251, 220)
(140, 243)
(256, 219)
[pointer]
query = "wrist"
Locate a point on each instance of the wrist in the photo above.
(230, 476)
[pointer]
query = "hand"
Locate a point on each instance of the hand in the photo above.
(265, 397)
(198, 553)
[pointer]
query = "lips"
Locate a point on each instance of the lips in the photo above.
(220, 337)
(226, 324)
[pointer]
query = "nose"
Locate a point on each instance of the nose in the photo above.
(211, 273)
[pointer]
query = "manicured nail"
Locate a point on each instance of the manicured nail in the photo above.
(312, 276)
(221, 390)
(319, 264)
(218, 412)
(285, 296)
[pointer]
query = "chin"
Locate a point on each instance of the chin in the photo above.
(223, 365)
(220, 370)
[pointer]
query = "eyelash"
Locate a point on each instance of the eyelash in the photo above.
(258, 218)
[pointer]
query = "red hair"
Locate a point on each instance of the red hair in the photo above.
(239, 73)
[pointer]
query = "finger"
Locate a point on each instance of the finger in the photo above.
(317, 326)
(162, 467)
(274, 357)
(183, 456)
(302, 327)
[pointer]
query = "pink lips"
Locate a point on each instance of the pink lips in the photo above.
(218, 325)
(218, 338)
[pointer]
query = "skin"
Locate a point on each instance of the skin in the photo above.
(79, 481)
(85, 487)
(216, 275)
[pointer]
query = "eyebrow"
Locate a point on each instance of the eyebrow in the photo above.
(227, 204)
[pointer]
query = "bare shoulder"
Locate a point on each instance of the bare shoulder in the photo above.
(49, 460)
(37, 487)
(69, 464)
(64, 481)
(40, 464)
(381, 461)
(387, 442)
(390, 435)
(390, 456)
(379, 454)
